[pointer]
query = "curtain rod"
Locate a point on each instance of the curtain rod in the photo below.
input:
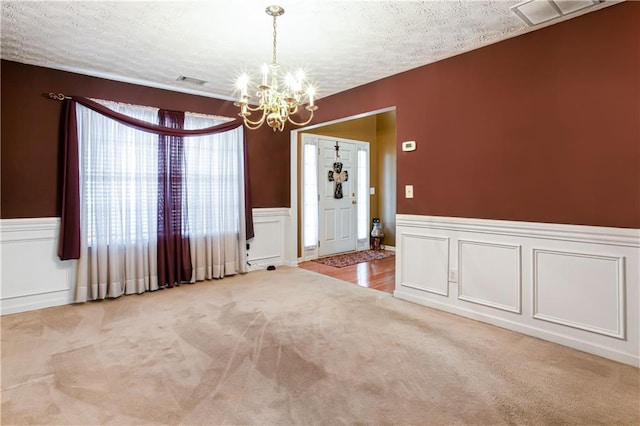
(58, 96)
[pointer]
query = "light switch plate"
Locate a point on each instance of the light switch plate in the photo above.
(372, 191)
(408, 191)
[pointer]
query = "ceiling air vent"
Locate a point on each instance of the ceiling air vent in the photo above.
(191, 80)
(534, 12)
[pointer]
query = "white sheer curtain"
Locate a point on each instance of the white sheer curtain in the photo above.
(119, 189)
(215, 200)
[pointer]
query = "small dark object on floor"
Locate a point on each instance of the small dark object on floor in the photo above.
(271, 268)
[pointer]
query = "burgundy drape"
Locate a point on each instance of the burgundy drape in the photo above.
(69, 245)
(69, 242)
(174, 257)
(248, 211)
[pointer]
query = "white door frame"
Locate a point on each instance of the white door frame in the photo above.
(291, 246)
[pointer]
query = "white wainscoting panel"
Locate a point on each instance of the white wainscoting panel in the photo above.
(489, 274)
(425, 263)
(32, 275)
(570, 284)
(268, 245)
(593, 282)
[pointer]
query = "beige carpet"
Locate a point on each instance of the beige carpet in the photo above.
(294, 347)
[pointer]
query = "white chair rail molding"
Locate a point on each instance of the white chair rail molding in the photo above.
(569, 284)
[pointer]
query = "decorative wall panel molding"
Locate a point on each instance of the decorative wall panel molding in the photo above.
(489, 274)
(570, 284)
(425, 263)
(593, 282)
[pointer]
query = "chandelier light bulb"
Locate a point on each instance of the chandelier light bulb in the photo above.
(311, 91)
(242, 83)
(265, 74)
(291, 81)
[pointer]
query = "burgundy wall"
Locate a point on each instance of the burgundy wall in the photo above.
(544, 127)
(30, 151)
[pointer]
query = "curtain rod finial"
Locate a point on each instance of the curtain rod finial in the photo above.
(58, 96)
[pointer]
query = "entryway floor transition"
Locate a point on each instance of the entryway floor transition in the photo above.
(378, 274)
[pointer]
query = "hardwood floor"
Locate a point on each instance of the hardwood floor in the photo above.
(376, 274)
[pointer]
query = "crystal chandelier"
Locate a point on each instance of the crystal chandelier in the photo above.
(276, 107)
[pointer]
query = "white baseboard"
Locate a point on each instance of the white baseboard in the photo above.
(561, 339)
(573, 285)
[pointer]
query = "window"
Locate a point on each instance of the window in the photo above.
(363, 193)
(157, 210)
(310, 194)
(119, 176)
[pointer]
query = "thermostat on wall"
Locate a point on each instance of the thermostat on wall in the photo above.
(409, 146)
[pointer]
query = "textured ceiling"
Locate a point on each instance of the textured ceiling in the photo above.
(341, 44)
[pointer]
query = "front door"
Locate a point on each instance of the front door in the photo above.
(337, 193)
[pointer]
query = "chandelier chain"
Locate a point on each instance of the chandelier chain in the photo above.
(275, 35)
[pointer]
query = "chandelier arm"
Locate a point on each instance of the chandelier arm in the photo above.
(258, 108)
(258, 123)
(293, 109)
(252, 127)
(303, 123)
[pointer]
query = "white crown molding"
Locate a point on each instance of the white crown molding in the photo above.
(136, 81)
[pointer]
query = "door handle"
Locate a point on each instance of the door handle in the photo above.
(354, 202)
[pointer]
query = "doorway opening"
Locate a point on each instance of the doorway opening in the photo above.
(376, 127)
